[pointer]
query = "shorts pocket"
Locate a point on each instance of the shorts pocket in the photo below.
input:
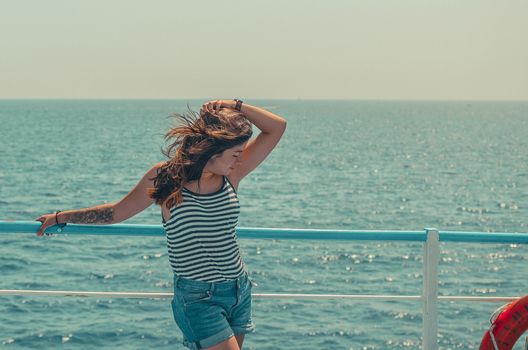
(195, 297)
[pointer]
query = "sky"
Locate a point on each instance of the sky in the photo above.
(287, 49)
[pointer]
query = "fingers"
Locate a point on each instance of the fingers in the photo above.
(205, 108)
(218, 105)
(211, 107)
(41, 230)
(41, 219)
(44, 225)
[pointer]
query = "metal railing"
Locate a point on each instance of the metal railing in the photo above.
(430, 237)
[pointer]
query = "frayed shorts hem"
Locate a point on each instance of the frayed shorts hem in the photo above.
(238, 330)
(219, 337)
(209, 341)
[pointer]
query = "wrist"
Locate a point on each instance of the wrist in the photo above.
(238, 104)
(59, 217)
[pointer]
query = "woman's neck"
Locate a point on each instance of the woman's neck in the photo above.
(208, 177)
(206, 183)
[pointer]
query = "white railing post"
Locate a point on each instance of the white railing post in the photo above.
(430, 291)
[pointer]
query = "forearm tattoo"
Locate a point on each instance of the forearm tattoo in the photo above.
(103, 214)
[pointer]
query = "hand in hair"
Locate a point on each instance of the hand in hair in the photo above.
(214, 106)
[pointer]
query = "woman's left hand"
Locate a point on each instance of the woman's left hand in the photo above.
(47, 221)
(214, 106)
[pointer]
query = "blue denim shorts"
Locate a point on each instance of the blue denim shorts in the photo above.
(209, 313)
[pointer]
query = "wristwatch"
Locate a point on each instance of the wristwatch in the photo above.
(238, 105)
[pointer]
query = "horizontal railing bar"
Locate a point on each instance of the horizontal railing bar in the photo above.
(483, 237)
(268, 233)
(273, 233)
(21, 292)
(170, 295)
(320, 234)
(473, 298)
(64, 293)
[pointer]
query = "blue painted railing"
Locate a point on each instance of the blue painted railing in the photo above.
(273, 233)
(430, 238)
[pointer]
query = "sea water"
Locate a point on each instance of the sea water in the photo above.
(359, 165)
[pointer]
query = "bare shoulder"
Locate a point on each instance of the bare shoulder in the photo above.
(153, 171)
(156, 166)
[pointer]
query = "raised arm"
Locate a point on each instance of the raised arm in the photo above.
(272, 128)
(133, 203)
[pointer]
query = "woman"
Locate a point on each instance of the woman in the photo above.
(196, 189)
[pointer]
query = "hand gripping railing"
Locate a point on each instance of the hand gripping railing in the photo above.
(430, 237)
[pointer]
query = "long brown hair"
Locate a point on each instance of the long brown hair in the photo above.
(193, 144)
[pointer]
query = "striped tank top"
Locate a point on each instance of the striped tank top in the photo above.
(201, 235)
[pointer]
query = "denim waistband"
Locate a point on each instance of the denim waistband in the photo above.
(224, 285)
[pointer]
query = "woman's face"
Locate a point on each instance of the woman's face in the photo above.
(225, 162)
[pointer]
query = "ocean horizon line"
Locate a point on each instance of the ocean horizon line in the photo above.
(264, 99)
